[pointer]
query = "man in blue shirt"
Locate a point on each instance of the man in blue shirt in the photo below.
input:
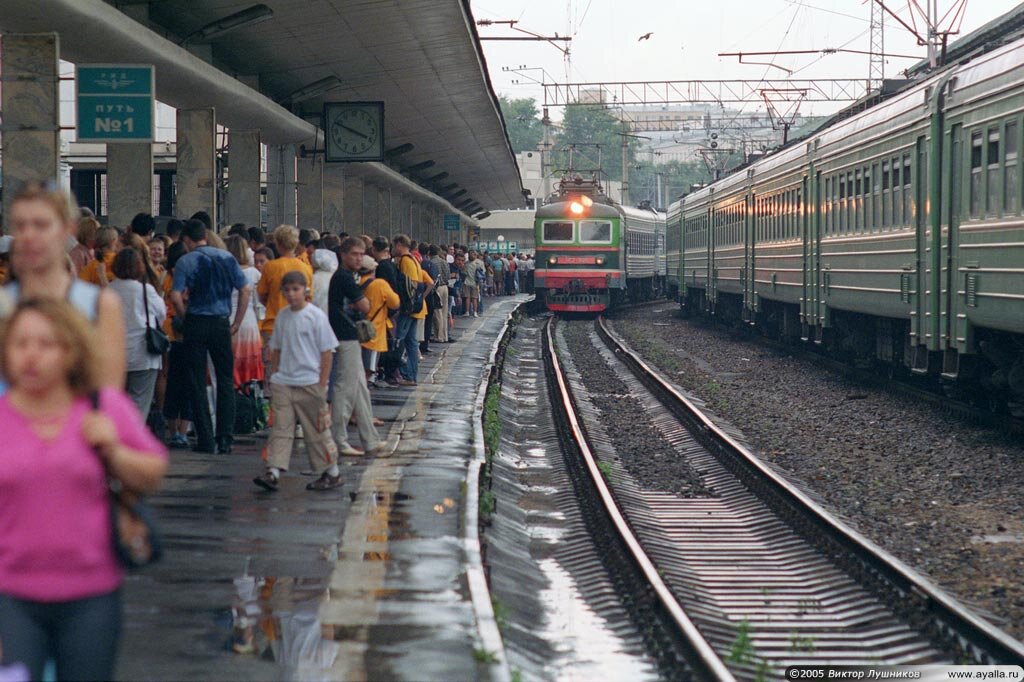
(209, 276)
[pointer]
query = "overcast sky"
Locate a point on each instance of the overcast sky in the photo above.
(688, 35)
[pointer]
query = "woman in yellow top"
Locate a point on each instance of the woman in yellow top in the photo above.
(382, 298)
(98, 271)
(421, 316)
(286, 238)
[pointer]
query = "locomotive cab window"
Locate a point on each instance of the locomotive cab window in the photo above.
(557, 231)
(595, 231)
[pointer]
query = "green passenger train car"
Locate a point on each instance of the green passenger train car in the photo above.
(893, 235)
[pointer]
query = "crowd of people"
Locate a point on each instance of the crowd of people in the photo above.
(308, 322)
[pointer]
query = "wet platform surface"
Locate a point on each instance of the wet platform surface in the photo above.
(365, 582)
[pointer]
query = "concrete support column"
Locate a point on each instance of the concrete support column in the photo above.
(371, 208)
(335, 199)
(129, 181)
(31, 107)
(310, 180)
(243, 200)
(353, 222)
(196, 171)
(384, 201)
(280, 185)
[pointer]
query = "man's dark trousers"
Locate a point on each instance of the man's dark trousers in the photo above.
(209, 334)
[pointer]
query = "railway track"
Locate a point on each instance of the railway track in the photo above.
(755, 576)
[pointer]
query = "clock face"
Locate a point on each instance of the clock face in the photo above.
(354, 130)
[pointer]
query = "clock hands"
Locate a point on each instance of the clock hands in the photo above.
(352, 130)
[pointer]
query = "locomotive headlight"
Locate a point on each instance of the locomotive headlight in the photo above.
(576, 208)
(599, 260)
(553, 260)
(587, 201)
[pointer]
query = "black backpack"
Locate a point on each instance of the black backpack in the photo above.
(410, 294)
(246, 414)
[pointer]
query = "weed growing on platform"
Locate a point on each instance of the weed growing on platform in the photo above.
(500, 614)
(484, 656)
(487, 506)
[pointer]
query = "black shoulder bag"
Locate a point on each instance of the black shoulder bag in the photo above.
(157, 342)
(132, 528)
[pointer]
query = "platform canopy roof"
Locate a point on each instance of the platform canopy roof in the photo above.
(422, 58)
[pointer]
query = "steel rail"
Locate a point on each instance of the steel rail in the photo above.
(705, 660)
(988, 643)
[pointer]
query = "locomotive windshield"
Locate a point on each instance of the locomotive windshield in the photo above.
(595, 231)
(557, 231)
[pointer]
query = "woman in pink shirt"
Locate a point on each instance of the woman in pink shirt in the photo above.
(59, 577)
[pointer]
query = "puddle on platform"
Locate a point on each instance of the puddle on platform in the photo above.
(276, 618)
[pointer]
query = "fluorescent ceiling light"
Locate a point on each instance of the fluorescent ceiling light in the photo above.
(314, 89)
(215, 29)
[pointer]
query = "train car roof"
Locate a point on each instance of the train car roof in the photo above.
(641, 213)
(975, 73)
(980, 69)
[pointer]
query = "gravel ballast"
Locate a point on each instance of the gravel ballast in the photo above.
(942, 495)
(639, 445)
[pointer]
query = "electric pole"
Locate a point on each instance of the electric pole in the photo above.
(545, 157)
(876, 60)
(624, 199)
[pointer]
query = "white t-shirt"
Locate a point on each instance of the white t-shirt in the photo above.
(301, 336)
(138, 358)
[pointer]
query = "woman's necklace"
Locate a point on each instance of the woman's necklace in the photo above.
(47, 424)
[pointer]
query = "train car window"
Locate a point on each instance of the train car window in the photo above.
(907, 191)
(844, 214)
(886, 196)
(796, 213)
(558, 231)
(828, 205)
(975, 190)
(1010, 176)
(876, 178)
(858, 202)
(595, 231)
(992, 181)
(897, 193)
(851, 202)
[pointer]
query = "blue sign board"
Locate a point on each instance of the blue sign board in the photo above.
(452, 222)
(115, 102)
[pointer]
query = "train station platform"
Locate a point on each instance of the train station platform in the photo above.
(377, 580)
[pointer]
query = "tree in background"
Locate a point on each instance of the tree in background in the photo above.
(677, 177)
(584, 127)
(522, 120)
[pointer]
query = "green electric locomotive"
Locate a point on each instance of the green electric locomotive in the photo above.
(593, 253)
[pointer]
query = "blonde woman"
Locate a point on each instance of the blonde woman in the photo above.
(42, 218)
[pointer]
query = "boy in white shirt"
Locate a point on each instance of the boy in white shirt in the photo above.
(300, 369)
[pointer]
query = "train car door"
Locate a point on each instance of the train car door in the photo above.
(712, 269)
(810, 314)
(748, 274)
(917, 285)
(959, 187)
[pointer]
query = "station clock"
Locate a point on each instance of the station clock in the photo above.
(354, 131)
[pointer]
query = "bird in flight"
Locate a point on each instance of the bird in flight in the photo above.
(646, 36)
